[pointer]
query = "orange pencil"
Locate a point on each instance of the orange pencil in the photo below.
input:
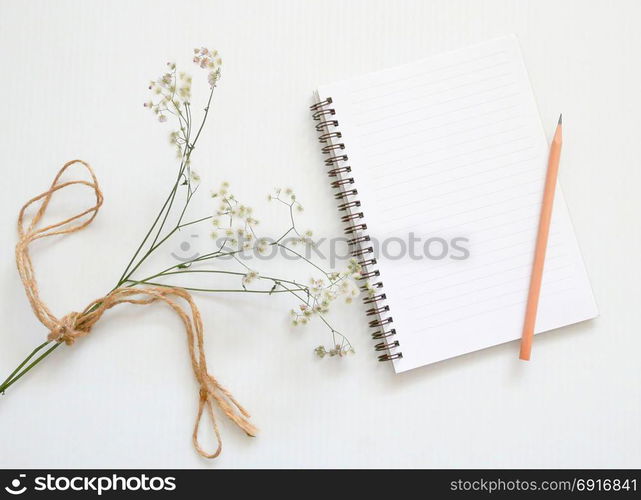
(541, 243)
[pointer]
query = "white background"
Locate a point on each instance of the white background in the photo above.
(74, 76)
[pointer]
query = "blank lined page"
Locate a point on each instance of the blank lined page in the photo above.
(449, 158)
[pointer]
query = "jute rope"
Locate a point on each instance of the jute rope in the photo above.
(75, 325)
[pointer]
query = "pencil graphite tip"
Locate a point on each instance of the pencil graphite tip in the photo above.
(560, 118)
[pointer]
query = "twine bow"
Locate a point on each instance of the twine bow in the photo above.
(75, 325)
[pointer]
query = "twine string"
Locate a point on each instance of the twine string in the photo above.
(76, 325)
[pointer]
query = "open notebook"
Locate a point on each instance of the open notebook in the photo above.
(447, 156)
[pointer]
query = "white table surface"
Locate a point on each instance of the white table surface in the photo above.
(74, 79)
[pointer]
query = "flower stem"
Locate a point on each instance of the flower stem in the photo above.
(230, 290)
(17, 374)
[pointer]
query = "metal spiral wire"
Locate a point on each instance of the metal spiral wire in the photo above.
(346, 193)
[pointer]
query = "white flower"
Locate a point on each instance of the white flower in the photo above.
(369, 289)
(208, 59)
(249, 277)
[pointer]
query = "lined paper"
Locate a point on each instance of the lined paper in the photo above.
(451, 149)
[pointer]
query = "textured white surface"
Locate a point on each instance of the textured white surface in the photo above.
(74, 78)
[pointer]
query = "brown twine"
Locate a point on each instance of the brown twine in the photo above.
(75, 325)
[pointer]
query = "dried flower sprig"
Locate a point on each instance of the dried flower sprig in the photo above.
(235, 234)
(234, 225)
(171, 96)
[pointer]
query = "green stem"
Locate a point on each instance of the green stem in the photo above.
(15, 376)
(202, 124)
(232, 290)
(33, 353)
(126, 272)
(270, 278)
(164, 212)
(302, 257)
(184, 224)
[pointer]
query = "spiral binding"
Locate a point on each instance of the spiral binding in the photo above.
(346, 192)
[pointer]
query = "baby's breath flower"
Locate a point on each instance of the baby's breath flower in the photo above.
(369, 289)
(354, 267)
(210, 60)
(212, 78)
(338, 350)
(233, 218)
(320, 351)
(249, 277)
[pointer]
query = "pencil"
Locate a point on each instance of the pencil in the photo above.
(541, 242)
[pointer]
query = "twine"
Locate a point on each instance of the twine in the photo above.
(76, 325)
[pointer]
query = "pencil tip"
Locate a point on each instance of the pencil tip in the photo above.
(560, 118)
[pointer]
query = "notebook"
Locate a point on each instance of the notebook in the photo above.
(439, 167)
